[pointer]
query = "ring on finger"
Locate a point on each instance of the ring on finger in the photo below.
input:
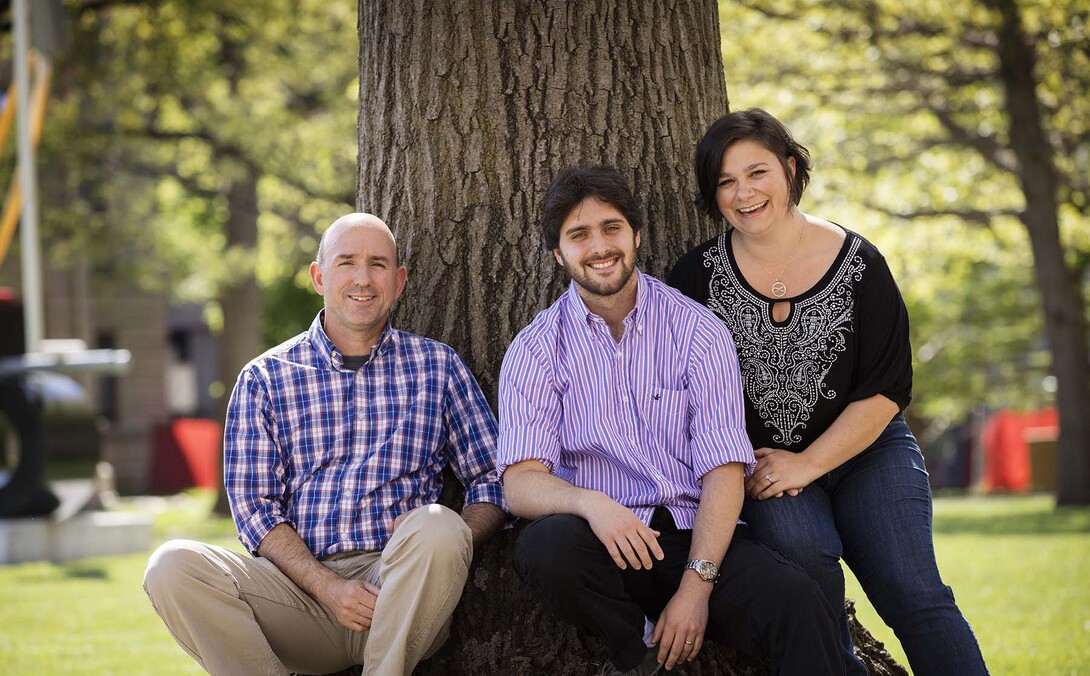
(688, 643)
(768, 478)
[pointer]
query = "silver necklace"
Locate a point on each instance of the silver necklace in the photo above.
(779, 289)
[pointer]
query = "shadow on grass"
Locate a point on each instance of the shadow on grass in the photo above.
(85, 572)
(1051, 521)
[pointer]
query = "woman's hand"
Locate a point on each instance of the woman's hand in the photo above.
(779, 472)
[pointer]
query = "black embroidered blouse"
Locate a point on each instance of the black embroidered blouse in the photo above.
(845, 339)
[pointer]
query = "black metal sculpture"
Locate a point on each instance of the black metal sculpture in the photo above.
(23, 401)
(25, 493)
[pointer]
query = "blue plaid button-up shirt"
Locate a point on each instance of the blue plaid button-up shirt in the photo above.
(339, 454)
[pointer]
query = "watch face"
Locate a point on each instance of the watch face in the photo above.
(707, 570)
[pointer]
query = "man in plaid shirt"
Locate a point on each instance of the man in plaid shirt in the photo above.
(333, 452)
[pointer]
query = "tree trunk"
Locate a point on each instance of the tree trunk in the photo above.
(467, 109)
(1064, 306)
(240, 298)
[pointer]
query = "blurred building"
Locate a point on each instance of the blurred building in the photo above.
(173, 362)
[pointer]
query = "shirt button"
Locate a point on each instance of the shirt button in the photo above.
(620, 354)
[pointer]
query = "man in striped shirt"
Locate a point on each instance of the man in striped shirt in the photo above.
(622, 435)
(333, 452)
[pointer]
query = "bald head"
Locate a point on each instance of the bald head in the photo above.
(359, 279)
(350, 221)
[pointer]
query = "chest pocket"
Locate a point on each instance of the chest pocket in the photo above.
(668, 420)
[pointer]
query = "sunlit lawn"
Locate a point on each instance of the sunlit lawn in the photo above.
(1019, 568)
(91, 616)
(1020, 571)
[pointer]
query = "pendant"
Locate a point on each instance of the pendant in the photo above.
(779, 289)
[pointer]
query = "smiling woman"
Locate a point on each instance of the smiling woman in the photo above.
(826, 372)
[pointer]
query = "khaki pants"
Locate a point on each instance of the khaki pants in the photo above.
(240, 615)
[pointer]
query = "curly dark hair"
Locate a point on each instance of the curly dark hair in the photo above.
(572, 185)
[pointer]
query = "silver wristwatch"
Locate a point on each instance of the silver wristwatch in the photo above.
(708, 571)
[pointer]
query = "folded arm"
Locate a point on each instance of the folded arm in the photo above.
(483, 519)
(471, 442)
(533, 492)
(853, 431)
(679, 632)
(352, 602)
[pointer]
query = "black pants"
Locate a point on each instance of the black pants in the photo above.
(763, 604)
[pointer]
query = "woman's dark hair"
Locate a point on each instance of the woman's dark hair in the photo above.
(747, 125)
(573, 185)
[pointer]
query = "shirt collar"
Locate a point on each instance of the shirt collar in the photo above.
(328, 352)
(579, 309)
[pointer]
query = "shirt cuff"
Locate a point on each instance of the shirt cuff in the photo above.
(487, 491)
(254, 529)
(718, 447)
(527, 443)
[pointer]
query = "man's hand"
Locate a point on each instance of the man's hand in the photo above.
(534, 492)
(627, 539)
(679, 632)
(352, 602)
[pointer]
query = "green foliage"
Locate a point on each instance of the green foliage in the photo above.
(903, 109)
(291, 304)
(159, 107)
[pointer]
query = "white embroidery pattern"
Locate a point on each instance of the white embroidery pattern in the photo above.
(784, 365)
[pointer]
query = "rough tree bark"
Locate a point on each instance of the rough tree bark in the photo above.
(1064, 306)
(467, 109)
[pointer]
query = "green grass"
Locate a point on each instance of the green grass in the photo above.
(91, 616)
(1019, 569)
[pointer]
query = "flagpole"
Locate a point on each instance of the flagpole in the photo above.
(31, 255)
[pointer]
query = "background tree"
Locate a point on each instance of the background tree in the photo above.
(467, 110)
(214, 127)
(968, 119)
(193, 148)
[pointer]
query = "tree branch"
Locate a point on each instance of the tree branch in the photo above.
(978, 216)
(989, 149)
(92, 6)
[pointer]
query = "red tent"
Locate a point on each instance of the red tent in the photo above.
(1005, 440)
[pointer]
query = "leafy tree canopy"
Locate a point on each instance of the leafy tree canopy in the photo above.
(158, 106)
(902, 106)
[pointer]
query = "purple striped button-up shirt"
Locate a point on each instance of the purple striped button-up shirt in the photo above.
(338, 453)
(643, 419)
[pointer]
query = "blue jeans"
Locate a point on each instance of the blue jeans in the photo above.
(874, 511)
